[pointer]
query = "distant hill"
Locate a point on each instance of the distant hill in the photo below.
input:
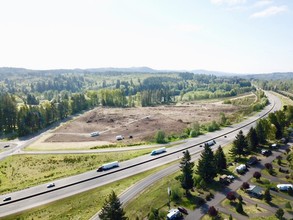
(265, 76)
(269, 76)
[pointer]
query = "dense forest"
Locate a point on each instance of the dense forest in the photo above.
(32, 100)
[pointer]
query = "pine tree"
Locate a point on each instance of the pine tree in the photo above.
(267, 195)
(252, 139)
(279, 213)
(239, 144)
(206, 168)
(220, 160)
(112, 209)
(260, 131)
(187, 170)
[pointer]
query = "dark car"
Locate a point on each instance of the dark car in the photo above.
(183, 210)
(5, 146)
(274, 189)
(7, 199)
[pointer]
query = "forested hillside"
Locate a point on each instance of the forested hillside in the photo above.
(31, 100)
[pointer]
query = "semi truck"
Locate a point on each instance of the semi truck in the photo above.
(158, 151)
(210, 143)
(108, 166)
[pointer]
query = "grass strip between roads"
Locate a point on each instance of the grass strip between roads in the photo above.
(22, 171)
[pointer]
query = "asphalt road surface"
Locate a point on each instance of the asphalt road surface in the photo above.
(39, 195)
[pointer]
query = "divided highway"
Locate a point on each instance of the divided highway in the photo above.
(39, 195)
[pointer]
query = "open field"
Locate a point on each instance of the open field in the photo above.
(141, 123)
(22, 171)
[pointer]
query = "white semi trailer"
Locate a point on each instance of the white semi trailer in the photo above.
(158, 151)
(108, 166)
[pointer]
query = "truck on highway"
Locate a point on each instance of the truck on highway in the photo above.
(210, 143)
(108, 166)
(158, 151)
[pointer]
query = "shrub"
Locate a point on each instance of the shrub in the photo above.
(268, 166)
(257, 175)
(231, 196)
(212, 211)
(245, 185)
(160, 137)
(279, 213)
(288, 206)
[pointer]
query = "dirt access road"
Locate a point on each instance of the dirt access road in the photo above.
(141, 123)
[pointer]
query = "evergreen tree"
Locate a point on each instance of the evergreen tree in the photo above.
(260, 131)
(220, 160)
(252, 139)
(267, 195)
(206, 168)
(112, 209)
(280, 213)
(239, 144)
(187, 170)
(239, 207)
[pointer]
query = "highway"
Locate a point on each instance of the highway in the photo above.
(39, 195)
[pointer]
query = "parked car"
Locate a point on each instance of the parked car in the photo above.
(182, 210)
(7, 199)
(50, 185)
(5, 146)
(119, 137)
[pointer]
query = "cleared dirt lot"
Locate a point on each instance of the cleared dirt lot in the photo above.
(140, 123)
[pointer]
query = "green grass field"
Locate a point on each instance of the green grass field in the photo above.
(21, 171)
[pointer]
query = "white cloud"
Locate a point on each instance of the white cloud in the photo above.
(273, 10)
(228, 2)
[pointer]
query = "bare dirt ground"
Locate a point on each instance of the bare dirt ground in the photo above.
(140, 123)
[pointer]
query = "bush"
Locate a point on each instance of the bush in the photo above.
(231, 196)
(268, 166)
(212, 211)
(257, 175)
(279, 213)
(245, 185)
(288, 206)
(160, 137)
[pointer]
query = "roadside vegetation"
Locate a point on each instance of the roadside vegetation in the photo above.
(83, 205)
(22, 171)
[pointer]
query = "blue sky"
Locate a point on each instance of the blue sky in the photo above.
(239, 36)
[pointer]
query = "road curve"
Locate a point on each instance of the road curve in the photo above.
(39, 195)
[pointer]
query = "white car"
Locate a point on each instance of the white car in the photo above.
(50, 185)
(119, 137)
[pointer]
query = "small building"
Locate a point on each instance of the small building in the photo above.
(255, 191)
(174, 214)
